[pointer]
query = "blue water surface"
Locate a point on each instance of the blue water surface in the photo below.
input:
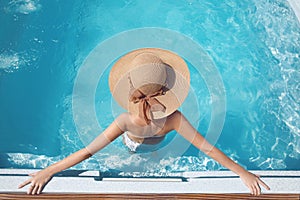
(254, 44)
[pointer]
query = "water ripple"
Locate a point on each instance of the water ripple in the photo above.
(23, 6)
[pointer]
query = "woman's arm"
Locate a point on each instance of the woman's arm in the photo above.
(40, 178)
(183, 127)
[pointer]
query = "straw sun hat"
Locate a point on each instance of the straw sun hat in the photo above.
(150, 82)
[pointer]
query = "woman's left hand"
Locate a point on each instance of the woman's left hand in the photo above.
(253, 182)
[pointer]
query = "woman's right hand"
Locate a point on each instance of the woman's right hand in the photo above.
(37, 181)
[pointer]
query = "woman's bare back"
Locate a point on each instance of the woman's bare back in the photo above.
(141, 132)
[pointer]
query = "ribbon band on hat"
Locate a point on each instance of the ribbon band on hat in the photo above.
(147, 103)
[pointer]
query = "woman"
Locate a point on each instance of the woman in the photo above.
(151, 84)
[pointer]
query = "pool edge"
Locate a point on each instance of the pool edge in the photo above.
(287, 182)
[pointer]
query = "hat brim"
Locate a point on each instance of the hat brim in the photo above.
(178, 81)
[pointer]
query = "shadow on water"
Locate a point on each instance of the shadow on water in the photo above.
(116, 174)
(119, 174)
(4, 161)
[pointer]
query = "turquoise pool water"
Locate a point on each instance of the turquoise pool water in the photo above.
(254, 45)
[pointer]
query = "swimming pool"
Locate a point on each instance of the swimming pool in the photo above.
(254, 45)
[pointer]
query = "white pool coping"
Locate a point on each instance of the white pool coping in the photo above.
(194, 182)
(295, 4)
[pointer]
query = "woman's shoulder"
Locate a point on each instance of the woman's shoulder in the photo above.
(175, 115)
(124, 115)
(122, 120)
(175, 120)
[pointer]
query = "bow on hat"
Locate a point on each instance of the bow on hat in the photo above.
(147, 103)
